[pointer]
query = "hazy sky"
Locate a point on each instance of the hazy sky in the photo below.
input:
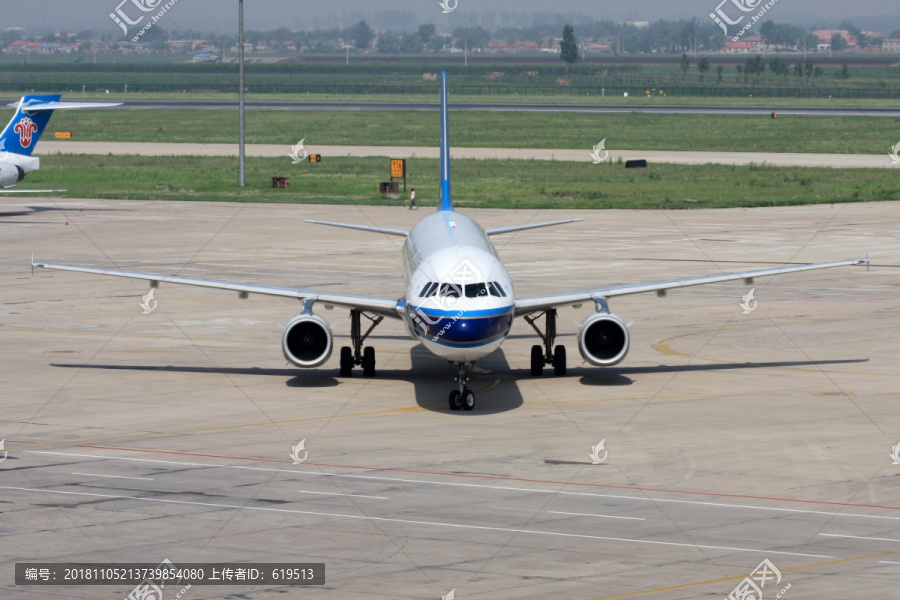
(221, 15)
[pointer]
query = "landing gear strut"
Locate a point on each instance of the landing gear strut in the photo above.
(547, 355)
(357, 355)
(462, 398)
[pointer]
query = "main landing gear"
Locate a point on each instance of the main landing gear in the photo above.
(548, 355)
(462, 398)
(357, 355)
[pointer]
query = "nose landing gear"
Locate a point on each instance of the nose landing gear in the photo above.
(462, 398)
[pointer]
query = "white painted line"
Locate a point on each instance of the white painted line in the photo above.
(425, 523)
(887, 562)
(859, 537)
(556, 512)
(113, 476)
(472, 485)
(348, 495)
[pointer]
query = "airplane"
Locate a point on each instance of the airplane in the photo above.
(458, 301)
(22, 133)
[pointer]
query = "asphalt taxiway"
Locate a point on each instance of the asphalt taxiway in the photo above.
(729, 438)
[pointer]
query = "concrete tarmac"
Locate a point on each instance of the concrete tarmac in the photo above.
(729, 438)
(786, 159)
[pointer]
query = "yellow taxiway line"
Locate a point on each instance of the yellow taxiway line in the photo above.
(721, 579)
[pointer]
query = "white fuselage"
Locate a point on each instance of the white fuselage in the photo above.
(459, 299)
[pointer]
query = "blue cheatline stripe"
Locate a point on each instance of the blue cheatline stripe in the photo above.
(467, 314)
(445, 342)
(463, 332)
(445, 204)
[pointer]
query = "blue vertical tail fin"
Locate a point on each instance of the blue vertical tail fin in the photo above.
(445, 204)
(23, 131)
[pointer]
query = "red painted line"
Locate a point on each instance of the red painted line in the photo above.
(274, 460)
(501, 478)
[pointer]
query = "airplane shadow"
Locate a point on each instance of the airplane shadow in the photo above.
(618, 375)
(494, 381)
(432, 379)
(36, 210)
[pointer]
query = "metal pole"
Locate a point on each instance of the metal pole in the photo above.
(241, 158)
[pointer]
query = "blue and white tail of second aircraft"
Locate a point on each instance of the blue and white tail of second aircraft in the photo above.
(21, 135)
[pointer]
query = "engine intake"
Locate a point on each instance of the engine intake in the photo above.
(10, 174)
(603, 339)
(307, 341)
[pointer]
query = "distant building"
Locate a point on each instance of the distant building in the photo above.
(739, 47)
(825, 36)
(16, 47)
(891, 45)
(756, 40)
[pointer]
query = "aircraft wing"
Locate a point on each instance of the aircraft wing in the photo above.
(381, 306)
(37, 106)
(532, 304)
(387, 230)
(499, 230)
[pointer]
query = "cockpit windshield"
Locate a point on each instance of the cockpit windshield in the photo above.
(469, 290)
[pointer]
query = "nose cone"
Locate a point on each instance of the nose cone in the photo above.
(464, 309)
(467, 328)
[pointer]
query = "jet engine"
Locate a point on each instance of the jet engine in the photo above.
(603, 339)
(10, 174)
(307, 340)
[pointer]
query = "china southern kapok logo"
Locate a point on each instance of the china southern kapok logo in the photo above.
(25, 128)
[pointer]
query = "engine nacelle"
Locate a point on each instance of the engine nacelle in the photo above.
(307, 341)
(603, 339)
(10, 174)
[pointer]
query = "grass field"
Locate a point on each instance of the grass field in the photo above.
(631, 131)
(477, 183)
(868, 76)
